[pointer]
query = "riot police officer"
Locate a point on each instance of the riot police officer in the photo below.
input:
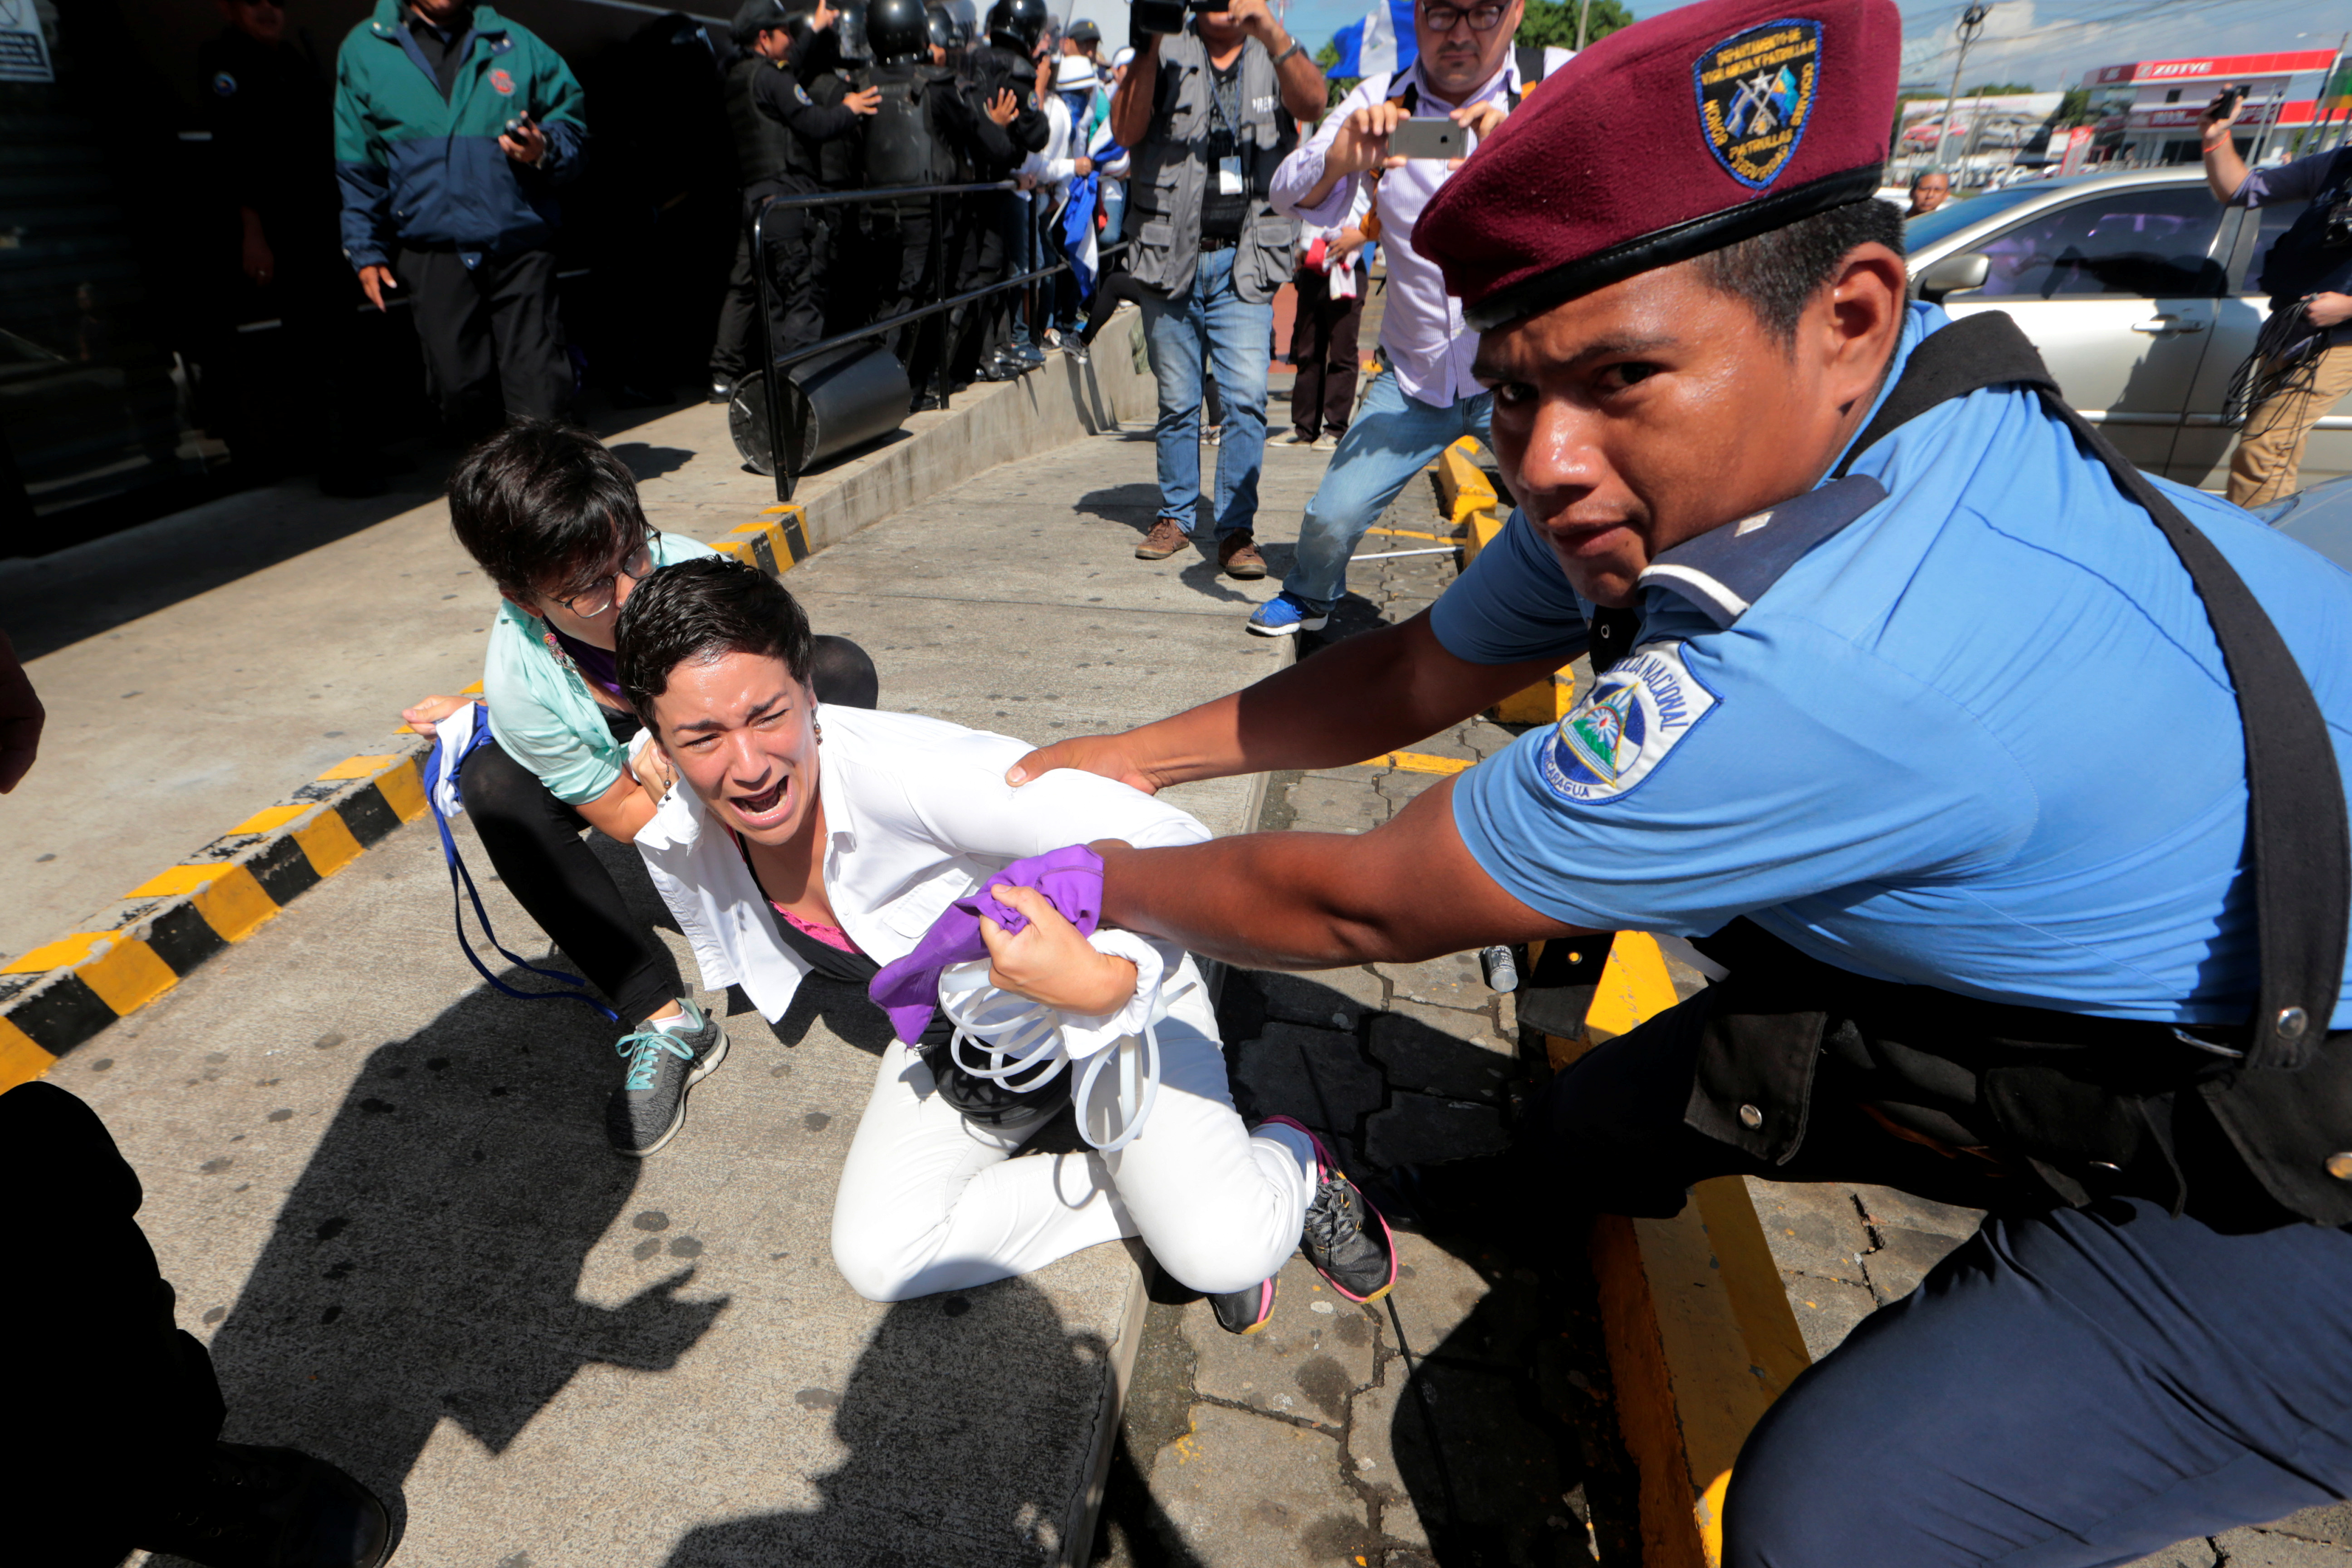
(1895, 658)
(779, 132)
(998, 220)
(925, 131)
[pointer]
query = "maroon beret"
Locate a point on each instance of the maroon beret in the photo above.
(1694, 130)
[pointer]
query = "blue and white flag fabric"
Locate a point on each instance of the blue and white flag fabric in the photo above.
(1382, 44)
(1078, 242)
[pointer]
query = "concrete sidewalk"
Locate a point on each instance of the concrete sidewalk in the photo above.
(383, 1192)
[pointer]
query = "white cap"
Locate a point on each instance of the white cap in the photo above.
(1125, 55)
(1075, 72)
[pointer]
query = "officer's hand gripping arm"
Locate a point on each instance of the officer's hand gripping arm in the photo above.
(1364, 695)
(1405, 892)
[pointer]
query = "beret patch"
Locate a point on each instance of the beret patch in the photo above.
(1756, 95)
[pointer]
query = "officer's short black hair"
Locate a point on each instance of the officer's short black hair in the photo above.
(1778, 272)
(543, 508)
(699, 610)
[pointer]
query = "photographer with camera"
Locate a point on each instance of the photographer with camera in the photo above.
(1417, 125)
(1211, 112)
(2303, 362)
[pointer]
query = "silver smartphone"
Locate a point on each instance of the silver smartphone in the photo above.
(1429, 137)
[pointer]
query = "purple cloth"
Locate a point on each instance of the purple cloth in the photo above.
(596, 664)
(909, 990)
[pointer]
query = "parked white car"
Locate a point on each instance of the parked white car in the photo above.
(2138, 290)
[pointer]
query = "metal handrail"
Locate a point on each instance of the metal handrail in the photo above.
(941, 302)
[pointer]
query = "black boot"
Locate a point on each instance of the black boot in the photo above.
(272, 1508)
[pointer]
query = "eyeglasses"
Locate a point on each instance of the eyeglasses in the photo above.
(597, 597)
(1446, 18)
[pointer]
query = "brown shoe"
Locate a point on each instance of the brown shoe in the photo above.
(1166, 538)
(1237, 553)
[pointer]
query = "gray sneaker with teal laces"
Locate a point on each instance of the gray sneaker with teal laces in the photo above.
(645, 1112)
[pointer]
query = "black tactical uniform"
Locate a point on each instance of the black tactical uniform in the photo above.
(803, 96)
(926, 132)
(996, 220)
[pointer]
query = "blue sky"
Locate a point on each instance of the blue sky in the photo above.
(2044, 43)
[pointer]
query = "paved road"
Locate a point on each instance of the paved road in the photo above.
(382, 1193)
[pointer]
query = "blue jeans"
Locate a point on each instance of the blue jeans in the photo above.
(1393, 438)
(1113, 195)
(1211, 319)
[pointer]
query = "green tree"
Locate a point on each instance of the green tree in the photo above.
(2075, 109)
(1997, 89)
(1337, 88)
(1552, 23)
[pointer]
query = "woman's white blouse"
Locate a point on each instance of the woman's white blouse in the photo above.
(917, 814)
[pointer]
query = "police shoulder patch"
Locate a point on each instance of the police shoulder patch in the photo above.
(1625, 725)
(1756, 96)
(802, 93)
(223, 84)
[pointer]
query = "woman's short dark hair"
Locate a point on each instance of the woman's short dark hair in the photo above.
(545, 509)
(699, 610)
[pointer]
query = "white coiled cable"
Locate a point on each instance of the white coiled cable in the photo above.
(1020, 1036)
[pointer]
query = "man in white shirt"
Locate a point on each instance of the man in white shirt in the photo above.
(1426, 399)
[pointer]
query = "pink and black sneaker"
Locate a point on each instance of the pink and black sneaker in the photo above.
(1244, 1312)
(1345, 1237)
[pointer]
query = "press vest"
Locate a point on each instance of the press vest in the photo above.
(1169, 176)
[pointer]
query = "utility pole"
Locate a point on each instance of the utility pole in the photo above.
(1973, 21)
(1583, 10)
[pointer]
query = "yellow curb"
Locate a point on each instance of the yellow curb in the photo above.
(1548, 701)
(356, 768)
(1700, 1335)
(1634, 987)
(127, 976)
(403, 791)
(473, 690)
(328, 844)
(229, 897)
(1480, 529)
(1411, 533)
(62, 954)
(270, 819)
(21, 1061)
(1417, 763)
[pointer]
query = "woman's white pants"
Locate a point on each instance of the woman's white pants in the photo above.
(929, 1202)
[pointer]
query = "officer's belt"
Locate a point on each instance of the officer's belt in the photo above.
(2094, 1104)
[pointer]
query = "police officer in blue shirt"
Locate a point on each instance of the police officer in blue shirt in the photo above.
(2003, 783)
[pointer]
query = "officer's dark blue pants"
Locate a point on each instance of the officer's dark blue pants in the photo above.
(2069, 1389)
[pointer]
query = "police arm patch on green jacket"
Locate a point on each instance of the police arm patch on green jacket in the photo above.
(1625, 725)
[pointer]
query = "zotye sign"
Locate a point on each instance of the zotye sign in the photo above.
(2213, 66)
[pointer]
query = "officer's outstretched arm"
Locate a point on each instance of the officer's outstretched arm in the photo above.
(1355, 699)
(1404, 891)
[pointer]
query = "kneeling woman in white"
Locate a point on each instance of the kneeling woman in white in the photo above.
(830, 842)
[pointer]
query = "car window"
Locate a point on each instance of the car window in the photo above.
(2275, 221)
(1957, 215)
(2148, 242)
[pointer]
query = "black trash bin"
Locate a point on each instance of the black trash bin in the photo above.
(831, 404)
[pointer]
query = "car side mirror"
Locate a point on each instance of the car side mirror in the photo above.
(1969, 270)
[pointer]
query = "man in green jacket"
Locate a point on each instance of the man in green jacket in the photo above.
(455, 129)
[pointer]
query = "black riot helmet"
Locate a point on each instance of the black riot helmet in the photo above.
(896, 32)
(849, 33)
(1017, 24)
(940, 30)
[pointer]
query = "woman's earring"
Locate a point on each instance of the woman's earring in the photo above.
(819, 732)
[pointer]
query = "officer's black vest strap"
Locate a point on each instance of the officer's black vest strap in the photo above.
(2297, 839)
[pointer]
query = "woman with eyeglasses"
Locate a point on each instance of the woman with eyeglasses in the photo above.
(553, 521)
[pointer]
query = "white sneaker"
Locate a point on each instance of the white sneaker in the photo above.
(1326, 442)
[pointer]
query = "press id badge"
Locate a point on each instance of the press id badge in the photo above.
(1229, 176)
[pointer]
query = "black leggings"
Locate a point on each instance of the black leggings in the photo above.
(533, 839)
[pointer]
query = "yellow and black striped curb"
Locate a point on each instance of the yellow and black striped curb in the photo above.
(1469, 500)
(775, 545)
(56, 996)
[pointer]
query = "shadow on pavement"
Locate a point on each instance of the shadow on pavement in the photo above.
(1136, 505)
(427, 1264)
(649, 462)
(947, 1391)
